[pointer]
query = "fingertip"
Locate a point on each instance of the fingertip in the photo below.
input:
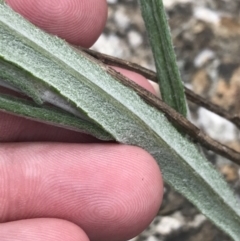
(78, 22)
(137, 78)
(46, 229)
(111, 191)
(130, 196)
(147, 192)
(144, 191)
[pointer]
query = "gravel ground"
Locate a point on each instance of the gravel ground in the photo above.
(206, 37)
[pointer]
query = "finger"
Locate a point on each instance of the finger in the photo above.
(80, 22)
(41, 229)
(17, 129)
(139, 79)
(111, 191)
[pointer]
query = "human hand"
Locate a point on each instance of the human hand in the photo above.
(60, 185)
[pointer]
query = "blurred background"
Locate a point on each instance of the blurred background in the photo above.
(206, 37)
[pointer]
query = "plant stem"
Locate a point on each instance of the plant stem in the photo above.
(168, 75)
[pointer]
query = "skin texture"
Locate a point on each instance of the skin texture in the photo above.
(65, 186)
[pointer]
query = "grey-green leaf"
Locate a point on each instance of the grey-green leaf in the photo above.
(17, 79)
(120, 112)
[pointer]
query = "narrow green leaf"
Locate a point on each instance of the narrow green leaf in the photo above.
(169, 79)
(120, 112)
(20, 80)
(51, 116)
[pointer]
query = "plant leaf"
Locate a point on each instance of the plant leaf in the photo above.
(87, 86)
(168, 76)
(19, 80)
(51, 115)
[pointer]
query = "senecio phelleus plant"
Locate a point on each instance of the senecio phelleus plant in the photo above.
(96, 97)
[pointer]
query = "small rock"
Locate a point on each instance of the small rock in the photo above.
(112, 1)
(230, 172)
(199, 219)
(134, 38)
(111, 45)
(207, 15)
(152, 238)
(227, 93)
(217, 127)
(121, 19)
(203, 57)
(167, 225)
(200, 82)
(171, 3)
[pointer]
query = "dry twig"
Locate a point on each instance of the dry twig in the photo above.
(177, 119)
(191, 96)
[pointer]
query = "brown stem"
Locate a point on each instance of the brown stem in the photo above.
(191, 96)
(194, 132)
(177, 119)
